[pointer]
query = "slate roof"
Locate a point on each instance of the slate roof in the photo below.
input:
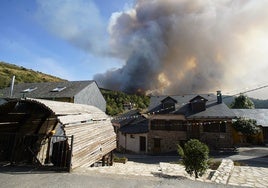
(213, 109)
(126, 118)
(135, 128)
(260, 115)
(132, 122)
(44, 89)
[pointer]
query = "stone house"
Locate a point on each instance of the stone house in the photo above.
(173, 120)
(79, 92)
(131, 128)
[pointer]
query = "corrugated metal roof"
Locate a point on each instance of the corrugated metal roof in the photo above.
(70, 112)
(260, 115)
(45, 89)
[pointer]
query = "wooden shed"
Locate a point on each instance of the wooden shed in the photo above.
(54, 133)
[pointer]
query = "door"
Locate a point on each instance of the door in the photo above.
(142, 143)
(157, 145)
(194, 131)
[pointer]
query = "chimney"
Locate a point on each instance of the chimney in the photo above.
(12, 86)
(219, 97)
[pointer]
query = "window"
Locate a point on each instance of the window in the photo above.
(178, 126)
(158, 124)
(58, 89)
(168, 106)
(28, 90)
(214, 127)
(168, 125)
(223, 127)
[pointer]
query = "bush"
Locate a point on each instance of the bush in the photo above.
(194, 157)
(247, 127)
(120, 159)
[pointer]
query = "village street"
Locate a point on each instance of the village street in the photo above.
(143, 171)
(253, 174)
(33, 179)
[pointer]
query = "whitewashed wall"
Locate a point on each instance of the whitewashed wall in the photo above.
(131, 142)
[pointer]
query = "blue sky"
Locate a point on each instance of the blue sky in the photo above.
(70, 39)
(27, 37)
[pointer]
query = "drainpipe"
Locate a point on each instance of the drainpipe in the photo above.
(12, 86)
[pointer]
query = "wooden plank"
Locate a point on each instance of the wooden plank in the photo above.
(77, 118)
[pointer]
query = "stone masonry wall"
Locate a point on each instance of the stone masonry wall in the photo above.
(223, 172)
(169, 140)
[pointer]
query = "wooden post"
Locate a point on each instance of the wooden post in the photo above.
(71, 154)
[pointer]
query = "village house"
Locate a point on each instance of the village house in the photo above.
(45, 133)
(173, 120)
(131, 130)
(79, 92)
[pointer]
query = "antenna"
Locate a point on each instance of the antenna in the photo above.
(12, 86)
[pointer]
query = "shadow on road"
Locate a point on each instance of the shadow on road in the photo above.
(26, 169)
(255, 162)
(160, 175)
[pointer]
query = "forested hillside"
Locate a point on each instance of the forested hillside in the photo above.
(118, 102)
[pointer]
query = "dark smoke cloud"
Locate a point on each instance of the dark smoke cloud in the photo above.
(185, 46)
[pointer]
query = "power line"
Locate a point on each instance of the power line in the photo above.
(247, 91)
(182, 104)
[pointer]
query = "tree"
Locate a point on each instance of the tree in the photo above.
(242, 102)
(194, 157)
(248, 127)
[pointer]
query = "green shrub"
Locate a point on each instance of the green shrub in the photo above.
(194, 157)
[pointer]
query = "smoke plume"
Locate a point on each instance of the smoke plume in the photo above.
(188, 46)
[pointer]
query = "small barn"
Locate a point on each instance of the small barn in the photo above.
(50, 133)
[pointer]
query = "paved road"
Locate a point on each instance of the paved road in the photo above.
(31, 178)
(66, 180)
(250, 156)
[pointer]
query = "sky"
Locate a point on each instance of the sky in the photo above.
(133, 45)
(29, 39)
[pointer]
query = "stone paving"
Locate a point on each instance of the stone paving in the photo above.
(238, 175)
(249, 176)
(130, 168)
(166, 170)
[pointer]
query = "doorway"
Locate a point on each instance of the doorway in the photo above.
(142, 143)
(157, 145)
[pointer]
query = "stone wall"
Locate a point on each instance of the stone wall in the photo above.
(216, 140)
(223, 172)
(168, 140)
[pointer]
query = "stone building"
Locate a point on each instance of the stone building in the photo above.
(173, 120)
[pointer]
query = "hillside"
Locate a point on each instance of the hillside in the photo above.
(118, 102)
(22, 75)
(115, 99)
